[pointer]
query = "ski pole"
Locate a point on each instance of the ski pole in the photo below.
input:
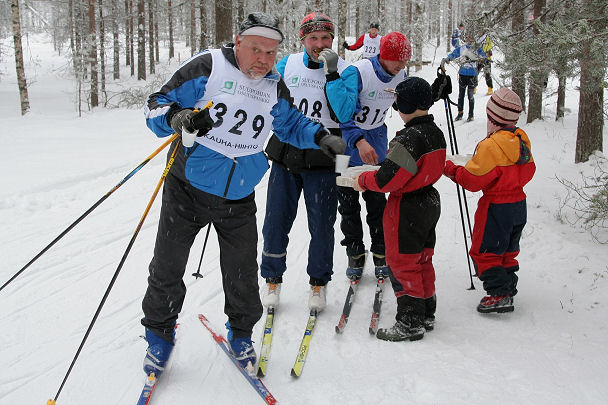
(102, 199)
(122, 261)
(463, 190)
(198, 271)
(452, 138)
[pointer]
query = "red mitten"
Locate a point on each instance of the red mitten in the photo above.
(450, 170)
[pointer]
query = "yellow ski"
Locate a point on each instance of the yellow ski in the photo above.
(296, 371)
(266, 341)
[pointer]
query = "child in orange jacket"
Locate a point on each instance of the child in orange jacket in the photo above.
(501, 165)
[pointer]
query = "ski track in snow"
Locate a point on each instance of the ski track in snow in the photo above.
(551, 350)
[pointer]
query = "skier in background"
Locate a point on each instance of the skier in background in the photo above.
(457, 35)
(467, 57)
(370, 42)
(486, 44)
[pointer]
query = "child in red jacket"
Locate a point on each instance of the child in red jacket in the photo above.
(415, 161)
(501, 166)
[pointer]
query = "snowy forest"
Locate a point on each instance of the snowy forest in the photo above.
(538, 38)
(74, 77)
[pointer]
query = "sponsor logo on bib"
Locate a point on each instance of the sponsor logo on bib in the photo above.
(294, 82)
(229, 87)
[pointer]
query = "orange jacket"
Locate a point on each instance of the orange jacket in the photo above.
(501, 166)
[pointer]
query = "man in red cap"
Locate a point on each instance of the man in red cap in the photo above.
(367, 143)
(501, 166)
(324, 93)
(370, 42)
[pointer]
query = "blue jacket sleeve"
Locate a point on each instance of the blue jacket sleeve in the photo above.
(280, 66)
(455, 54)
(342, 94)
(289, 124)
(182, 90)
(351, 133)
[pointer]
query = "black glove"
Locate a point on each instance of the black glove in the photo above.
(442, 86)
(182, 119)
(202, 121)
(345, 45)
(331, 145)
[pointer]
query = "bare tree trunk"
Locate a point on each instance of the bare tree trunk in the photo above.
(80, 27)
(192, 28)
(128, 33)
(343, 9)
(223, 24)
(21, 82)
(202, 13)
(240, 12)
(102, 51)
(449, 27)
(72, 36)
(357, 18)
(92, 45)
(561, 96)
(132, 38)
(170, 17)
(418, 10)
(141, 40)
(518, 76)
(156, 44)
(591, 101)
(115, 44)
(151, 35)
(537, 73)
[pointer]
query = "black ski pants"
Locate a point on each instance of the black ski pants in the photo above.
(185, 211)
(466, 84)
(351, 224)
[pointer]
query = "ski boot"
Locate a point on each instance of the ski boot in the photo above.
(242, 350)
(273, 291)
(354, 271)
(500, 303)
(381, 269)
(157, 354)
(317, 300)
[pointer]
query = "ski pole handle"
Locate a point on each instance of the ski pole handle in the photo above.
(189, 137)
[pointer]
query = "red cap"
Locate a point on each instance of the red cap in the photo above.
(316, 22)
(395, 46)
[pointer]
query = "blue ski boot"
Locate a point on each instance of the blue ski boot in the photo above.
(157, 354)
(242, 350)
(382, 270)
(354, 271)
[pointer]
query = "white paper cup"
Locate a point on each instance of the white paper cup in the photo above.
(342, 163)
(188, 138)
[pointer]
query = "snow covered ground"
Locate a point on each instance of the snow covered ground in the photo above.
(551, 350)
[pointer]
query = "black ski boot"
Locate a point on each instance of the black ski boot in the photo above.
(410, 321)
(459, 116)
(430, 306)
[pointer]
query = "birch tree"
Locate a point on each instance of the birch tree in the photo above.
(21, 82)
